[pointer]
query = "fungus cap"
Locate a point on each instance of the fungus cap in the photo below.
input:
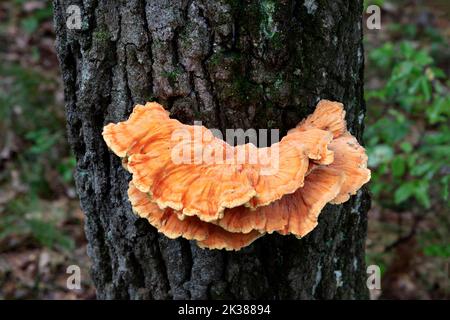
(151, 141)
(191, 228)
(328, 115)
(228, 204)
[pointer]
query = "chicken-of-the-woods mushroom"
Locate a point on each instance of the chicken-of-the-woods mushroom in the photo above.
(188, 183)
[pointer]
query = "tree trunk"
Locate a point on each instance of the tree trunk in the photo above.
(231, 64)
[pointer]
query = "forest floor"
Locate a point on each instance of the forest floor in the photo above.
(41, 224)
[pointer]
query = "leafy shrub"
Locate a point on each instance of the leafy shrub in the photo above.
(408, 140)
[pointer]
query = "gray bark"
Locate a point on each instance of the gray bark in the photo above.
(231, 64)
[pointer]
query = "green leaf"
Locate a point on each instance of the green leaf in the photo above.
(438, 73)
(406, 147)
(383, 56)
(426, 88)
(438, 138)
(421, 168)
(423, 199)
(422, 58)
(412, 159)
(437, 250)
(391, 130)
(376, 188)
(439, 111)
(398, 166)
(421, 193)
(406, 49)
(404, 192)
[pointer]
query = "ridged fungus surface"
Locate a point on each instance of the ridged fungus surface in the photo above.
(188, 183)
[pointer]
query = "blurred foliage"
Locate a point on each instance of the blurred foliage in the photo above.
(36, 162)
(26, 218)
(27, 111)
(408, 140)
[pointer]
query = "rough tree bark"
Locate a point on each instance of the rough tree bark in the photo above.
(231, 64)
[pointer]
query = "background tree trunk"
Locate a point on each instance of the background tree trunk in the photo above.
(231, 64)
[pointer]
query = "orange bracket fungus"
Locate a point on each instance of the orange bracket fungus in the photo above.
(189, 183)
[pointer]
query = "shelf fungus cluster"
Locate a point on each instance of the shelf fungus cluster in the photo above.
(189, 183)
